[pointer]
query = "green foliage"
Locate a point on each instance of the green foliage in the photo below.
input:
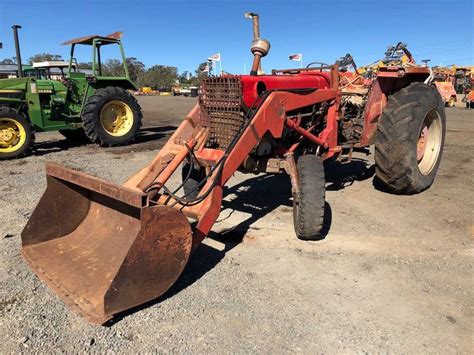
(113, 67)
(8, 61)
(200, 73)
(43, 57)
(84, 65)
(184, 77)
(159, 76)
(135, 68)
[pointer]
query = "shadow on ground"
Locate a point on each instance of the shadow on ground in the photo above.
(256, 197)
(339, 176)
(149, 138)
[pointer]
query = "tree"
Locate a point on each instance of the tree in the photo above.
(201, 70)
(135, 68)
(44, 57)
(201, 73)
(112, 67)
(185, 77)
(84, 65)
(8, 61)
(159, 76)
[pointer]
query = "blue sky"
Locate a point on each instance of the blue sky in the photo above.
(184, 33)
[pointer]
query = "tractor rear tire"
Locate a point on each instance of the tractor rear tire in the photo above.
(75, 135)
(309, 206)
(190, 187)
(410, 139)
(20, 130)
(112, 117)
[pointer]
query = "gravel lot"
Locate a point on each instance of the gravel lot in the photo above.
(394, 273)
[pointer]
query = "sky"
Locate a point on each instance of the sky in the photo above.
(184, 33)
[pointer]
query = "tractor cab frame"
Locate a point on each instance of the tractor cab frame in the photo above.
(97, 42)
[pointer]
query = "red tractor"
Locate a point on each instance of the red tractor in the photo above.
(104, 248)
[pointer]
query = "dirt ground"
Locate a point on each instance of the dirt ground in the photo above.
(393, 274)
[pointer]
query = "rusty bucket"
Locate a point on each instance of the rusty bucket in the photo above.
(101, 247)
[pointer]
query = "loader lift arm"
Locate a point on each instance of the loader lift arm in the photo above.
(146, 241)
(269, 117)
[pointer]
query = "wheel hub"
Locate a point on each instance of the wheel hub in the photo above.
(421, 146)
(12, 135)
(7, 135)
(116, 118)
(429, 142)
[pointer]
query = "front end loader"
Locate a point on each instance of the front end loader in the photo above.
(104, 248)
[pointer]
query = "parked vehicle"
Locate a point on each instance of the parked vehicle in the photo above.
(104, 248)
(80, 106)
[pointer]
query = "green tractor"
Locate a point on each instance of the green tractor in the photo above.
(80, 106)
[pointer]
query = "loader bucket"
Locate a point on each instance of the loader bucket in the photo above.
(100, 247)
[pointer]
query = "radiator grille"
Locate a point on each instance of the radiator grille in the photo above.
(220, 100)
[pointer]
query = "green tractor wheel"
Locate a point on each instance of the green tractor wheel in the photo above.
(16, 134)
(112, 117)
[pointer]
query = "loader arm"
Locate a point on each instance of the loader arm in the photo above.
(270, 117)
(105, 248)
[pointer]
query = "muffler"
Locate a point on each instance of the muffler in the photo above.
(102, 248)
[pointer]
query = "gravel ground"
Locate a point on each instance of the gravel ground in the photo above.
(394, 273)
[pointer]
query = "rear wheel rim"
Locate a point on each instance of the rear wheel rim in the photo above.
(116, 117)
(429, 142)
(12, 135)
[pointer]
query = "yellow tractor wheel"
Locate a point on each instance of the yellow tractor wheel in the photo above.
(116, 117)
(16, 135)
(451, 102)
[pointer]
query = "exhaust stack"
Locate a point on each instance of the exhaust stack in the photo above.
(17, 49)
(259, 47)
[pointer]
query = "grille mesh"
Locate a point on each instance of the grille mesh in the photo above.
(220, 100)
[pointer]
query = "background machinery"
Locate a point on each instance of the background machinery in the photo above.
(94, 107)
(444, 81)
(110, 247)
(464, 83)
(463, 78)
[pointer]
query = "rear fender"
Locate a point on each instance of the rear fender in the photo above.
(102, 82)
(382, 88)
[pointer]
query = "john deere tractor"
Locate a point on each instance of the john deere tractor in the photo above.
(80, 106)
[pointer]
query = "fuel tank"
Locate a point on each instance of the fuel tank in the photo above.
(254, 85)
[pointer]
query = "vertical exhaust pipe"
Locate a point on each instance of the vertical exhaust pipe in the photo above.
(259, 47)
(256, 25)
(17, 48)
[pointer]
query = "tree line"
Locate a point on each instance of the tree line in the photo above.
(156, 76)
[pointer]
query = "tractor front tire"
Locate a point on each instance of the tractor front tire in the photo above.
(112, 117)
(410, 139)
(17, 135)
(309, 206)
(75, 135)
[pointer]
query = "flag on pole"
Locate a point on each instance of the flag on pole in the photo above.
(296, 57)
(215, 57)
